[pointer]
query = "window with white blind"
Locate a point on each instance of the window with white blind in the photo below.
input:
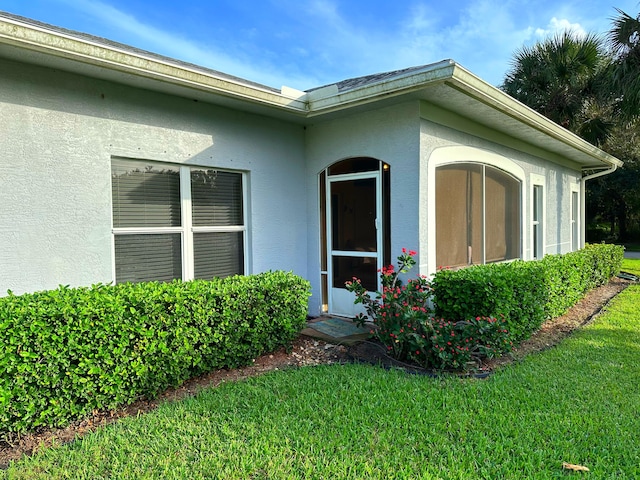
(176, 222)
(537, 216)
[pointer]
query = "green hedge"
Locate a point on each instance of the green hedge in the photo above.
(570, 276)
(526, 293)
(66, 352)
(509, 289)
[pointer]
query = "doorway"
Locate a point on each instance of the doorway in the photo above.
(353, 230)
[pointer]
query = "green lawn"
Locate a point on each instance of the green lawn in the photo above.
(578, 402)
(631, 265)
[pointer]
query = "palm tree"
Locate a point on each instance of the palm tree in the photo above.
(624, 41)
(561, 78)
(592, 87)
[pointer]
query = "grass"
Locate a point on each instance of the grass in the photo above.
(578, 402)
(631, 265)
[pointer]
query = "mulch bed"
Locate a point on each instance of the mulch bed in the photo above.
(307, 351)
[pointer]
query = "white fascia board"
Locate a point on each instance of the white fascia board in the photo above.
(329, 99)
(293, 93)
(65, 46)
(477, 88)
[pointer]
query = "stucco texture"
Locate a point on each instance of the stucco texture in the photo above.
(58, 135)
(438, 146)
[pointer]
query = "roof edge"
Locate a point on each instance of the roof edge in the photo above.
(329, 98)
(75, 48)
(472, 85)
(86, 49)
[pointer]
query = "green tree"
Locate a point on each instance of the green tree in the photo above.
(624, 42)
(562, 78)
(616, 197)
(591, 86)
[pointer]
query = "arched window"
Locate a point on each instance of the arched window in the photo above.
(477, 215)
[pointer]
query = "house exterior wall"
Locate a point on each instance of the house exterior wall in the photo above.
(438, 134)
(390, 134)
(58, 134)
(60, 131)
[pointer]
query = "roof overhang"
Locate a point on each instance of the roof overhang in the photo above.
(450, 86)
(40, 44)
(445, 84)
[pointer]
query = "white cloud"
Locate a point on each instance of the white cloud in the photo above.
(326, 45)
(482, 39)
(557, 26)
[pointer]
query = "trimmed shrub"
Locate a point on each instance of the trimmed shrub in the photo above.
(570, 276)
(69, 351)
(514, 290)
(526, 293)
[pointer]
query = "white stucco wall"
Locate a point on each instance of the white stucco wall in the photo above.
(57, 136)
(389, 134)
(403, 138)
(522, 163)
(59, 132)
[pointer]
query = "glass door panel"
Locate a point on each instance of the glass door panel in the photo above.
(354, 237)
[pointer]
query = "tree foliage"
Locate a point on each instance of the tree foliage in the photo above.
(591, 86)
(559, 78)
(624, 42)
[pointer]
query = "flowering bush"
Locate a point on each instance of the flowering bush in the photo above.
(456, 344)
(406, 327)
(393, 309)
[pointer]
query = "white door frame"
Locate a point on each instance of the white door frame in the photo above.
(340, 300)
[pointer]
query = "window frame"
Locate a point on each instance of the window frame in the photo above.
(466, 154)
(485, 172)
(538, 181)
(187, 229)
(574, 217)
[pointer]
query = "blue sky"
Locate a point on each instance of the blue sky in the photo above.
(304, 44)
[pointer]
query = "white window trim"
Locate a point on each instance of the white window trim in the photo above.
(187, 229)
(465, 154)
(538, 180)
(188, 268)
(575, 188)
